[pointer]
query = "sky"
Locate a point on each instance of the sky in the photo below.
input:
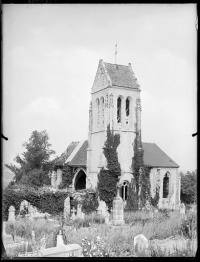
(50, 58)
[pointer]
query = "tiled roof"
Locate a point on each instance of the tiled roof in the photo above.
(61, 160)
(80, 159)
(121, 75)
(155, 157)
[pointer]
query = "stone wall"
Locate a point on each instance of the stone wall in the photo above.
(156, 177)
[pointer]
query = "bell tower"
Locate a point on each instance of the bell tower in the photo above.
(114, 98)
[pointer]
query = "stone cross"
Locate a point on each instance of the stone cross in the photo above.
(11, 215)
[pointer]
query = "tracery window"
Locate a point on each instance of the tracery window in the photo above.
(166, 186)
(119, 105)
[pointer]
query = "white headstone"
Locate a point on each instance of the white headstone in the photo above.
(102, 208)
(11, 215)
(140, 243)
(79, 211)
(182, 209)
(60, 241)
(24, 204)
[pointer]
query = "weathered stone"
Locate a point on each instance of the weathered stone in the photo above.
(140, 243)
(60, 241)
(118, 211)
(11, 215)
(62, 251)
(67, 207)
(182, 209)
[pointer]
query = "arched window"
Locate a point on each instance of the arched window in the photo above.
(98, 111)
(127, 110)
(166, 186)
(102, 109)
(124, 190)
(119, 109)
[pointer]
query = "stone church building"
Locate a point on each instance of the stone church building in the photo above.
(115, 98)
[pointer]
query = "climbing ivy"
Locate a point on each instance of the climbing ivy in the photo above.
(140, 185)
(108, 178)
(47, 201)
(67, 176)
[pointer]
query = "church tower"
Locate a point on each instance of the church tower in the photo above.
(115, 100)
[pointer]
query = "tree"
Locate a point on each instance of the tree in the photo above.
(108, 178)
(189, 187)
(34, 165)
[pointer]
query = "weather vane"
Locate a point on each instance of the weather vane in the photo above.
(116, 54)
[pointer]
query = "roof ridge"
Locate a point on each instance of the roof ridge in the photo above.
(116, 64)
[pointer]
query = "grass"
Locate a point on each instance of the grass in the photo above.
(119, 241)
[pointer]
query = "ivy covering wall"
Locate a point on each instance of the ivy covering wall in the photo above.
(49, 202)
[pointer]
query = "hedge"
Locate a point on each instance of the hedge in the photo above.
(49, 202)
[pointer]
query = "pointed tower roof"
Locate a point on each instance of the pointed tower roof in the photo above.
(115, 75)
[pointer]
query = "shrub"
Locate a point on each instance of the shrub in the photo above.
(10, 229)
(45, 201)
(90, 202)
(189, 225)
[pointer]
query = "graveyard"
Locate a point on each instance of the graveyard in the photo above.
(100, 233)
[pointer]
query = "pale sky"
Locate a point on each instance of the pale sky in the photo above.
(51, 54)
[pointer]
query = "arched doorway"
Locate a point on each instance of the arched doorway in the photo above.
(80, 181)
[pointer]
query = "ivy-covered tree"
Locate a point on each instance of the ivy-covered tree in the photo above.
(108, 178)
(140, 184)
(189, 187)
(35, 164)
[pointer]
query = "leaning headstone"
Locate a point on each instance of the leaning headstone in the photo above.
(140, 243)
(67, 207)
(11, 215)
(60, 241)
(182, 209)
(118, 211)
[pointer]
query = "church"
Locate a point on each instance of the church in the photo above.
(115, 98)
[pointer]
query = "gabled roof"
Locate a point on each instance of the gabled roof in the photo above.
(62, 159)
(155, 157)
(121, 75)
(80, 158)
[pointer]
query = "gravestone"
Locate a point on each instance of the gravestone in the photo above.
(182, 209)
(60, 241)
(67, 207)
(80, 214)
(102, 208)
(118, 211)
(73, 214)
(107, 218)
(24, 205)
(140, 243)
(11, 215)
